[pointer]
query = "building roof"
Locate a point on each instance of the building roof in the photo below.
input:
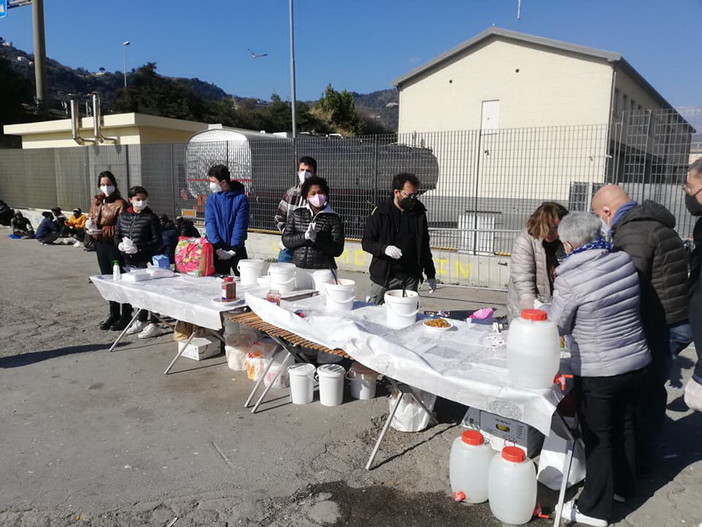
(613, 58)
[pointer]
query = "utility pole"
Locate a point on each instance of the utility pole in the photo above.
(292, 70)
(39, 47)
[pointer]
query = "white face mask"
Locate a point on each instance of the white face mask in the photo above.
(214, 187)
(139, 205)
(107, 189)
(302, 175)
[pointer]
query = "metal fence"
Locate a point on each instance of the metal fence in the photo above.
(479, 185)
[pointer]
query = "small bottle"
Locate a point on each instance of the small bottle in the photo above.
(116, 273)
(228, 289)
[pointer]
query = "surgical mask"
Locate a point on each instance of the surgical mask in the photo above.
(693, 206)
(318, 200)
(302, 175)
(408, 203)
(107, 189)
(139, 205)
(215, 187)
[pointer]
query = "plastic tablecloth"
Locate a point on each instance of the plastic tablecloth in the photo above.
(459, 364)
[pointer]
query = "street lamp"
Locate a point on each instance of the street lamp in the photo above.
(124, 48)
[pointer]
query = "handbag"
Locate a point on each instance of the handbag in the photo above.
(194, 256)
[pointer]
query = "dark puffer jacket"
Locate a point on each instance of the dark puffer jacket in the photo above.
(329, 243)
(144, 230)
(646, 234)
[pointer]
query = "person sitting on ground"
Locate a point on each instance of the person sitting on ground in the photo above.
(314, 232)
(186, 228)
(138, 237)
(169, 235)
(596, 300)
(61, 219)
(48, 230)
(6, 213)
(75, 226)
(21, 226)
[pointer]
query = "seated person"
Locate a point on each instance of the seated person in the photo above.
(60, 221)
(48, 230)
(75, 226)
(21, 226)
(186, 228)
(314, 232)
(6, 213)
(169, 234)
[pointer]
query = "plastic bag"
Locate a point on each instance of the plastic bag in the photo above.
(410, 416)
(236, 347)
(282, 381)
(257, 357)
(552, 457)
(194, 256)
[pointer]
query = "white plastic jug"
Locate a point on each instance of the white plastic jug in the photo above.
(321, 277)
(331, 384)
(249, 270)
(340, 296)
(301, 377)
(512, 486)
(401, 309)
(362, 382)
(282, 277)
(533, 350)
(469, 465)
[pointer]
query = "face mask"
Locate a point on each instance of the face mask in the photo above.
(214, 187)
(408, 203)
(318, 200)
(107, 189)
(693, 206)
(302, 175)
(139, 205)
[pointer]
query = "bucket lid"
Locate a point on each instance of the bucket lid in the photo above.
(331, 370)
(228, 278)
(302, 369)
(513, 454)
(533, 314)
(472, 437)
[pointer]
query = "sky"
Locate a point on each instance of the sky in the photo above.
(358, 46)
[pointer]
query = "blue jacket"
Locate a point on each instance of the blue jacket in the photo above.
(47, 226)
(227, 218)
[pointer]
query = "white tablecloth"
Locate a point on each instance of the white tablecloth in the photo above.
(456, 364)
(182, 297)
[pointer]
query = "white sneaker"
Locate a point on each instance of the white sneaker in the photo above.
(570, 512)
(77, 244)
(150, 331)
(693, 395)
(136, 327)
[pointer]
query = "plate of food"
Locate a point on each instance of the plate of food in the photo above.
(234, 302)
(437, 325)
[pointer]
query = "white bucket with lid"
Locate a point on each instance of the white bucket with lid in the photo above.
(401, 310)
(249, 270)
(282, 277)
(331, 384)
(321, 277)
(301, 377)
(512, 486)
(362, 382)
(340, 296)
(533, 350)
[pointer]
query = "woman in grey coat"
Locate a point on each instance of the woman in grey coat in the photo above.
(535, 256)
(596, 300)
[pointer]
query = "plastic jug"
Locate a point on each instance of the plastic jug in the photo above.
(512, 486)
(469, 465)
(533, 350)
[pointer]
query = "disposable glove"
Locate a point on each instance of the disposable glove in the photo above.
(281, 245)
(225, 255)
(432, 285)
(310, 233)
(393, 252)
(131, 249)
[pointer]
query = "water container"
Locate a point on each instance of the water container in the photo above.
(469, 465)
(512, 486)
(116, 273)
(533, 350)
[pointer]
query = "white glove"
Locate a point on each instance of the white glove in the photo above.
(281, 245)
(393, 252)
(225, 255)
(432, 285)
(91, 227)
(132, 249)
(310, 233)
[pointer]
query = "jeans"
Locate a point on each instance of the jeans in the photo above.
(285, 256)
(680, 338)
(376, 294)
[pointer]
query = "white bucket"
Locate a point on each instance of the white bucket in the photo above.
(321, 277)
(301, 383)
(401, 311)
(362, 382)
(331, 384)
(249, 270)
(282, 276)
(340, 296)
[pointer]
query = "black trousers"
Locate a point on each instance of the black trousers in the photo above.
(106, 254)
(229, 266)
(607, 412)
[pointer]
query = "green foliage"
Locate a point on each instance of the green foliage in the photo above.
(339, 110)
(15, 91)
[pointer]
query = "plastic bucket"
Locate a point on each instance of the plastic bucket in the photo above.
(362, 382)
(321, 277)
(401, 311)
(249, 271)
(331, 384)
(301, 383)
(282, 277)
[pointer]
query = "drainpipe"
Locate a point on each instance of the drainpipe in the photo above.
(75, 123)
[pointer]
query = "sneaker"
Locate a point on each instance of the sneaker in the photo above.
(107, 323)
(150, 331)
(693, 395)
(136, 327)
(77, 244)
(570, 512)
(122, 323)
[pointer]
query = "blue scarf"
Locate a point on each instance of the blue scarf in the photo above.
(599, 243)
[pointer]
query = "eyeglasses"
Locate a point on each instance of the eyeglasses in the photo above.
(686, 189)
(410, 196)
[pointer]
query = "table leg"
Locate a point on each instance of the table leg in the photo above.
(258, 382)
(406, 388)
(567, 464)
(180, 352)
(126, 328)
(384, 431)
(278, 374)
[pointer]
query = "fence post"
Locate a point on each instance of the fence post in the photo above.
(476, 190)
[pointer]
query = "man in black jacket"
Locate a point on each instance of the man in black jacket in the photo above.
(397, 236)
(693, 202)
(645, 232)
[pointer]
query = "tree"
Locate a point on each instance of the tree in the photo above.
(15, 92)
(339, 110)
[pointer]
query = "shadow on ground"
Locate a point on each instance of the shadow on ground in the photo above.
(25, 359)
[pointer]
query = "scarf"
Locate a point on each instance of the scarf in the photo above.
(599, 243)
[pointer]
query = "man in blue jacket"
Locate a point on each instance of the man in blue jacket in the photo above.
(226, 219)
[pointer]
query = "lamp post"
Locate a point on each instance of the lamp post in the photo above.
(124, 56)
(292, 69)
